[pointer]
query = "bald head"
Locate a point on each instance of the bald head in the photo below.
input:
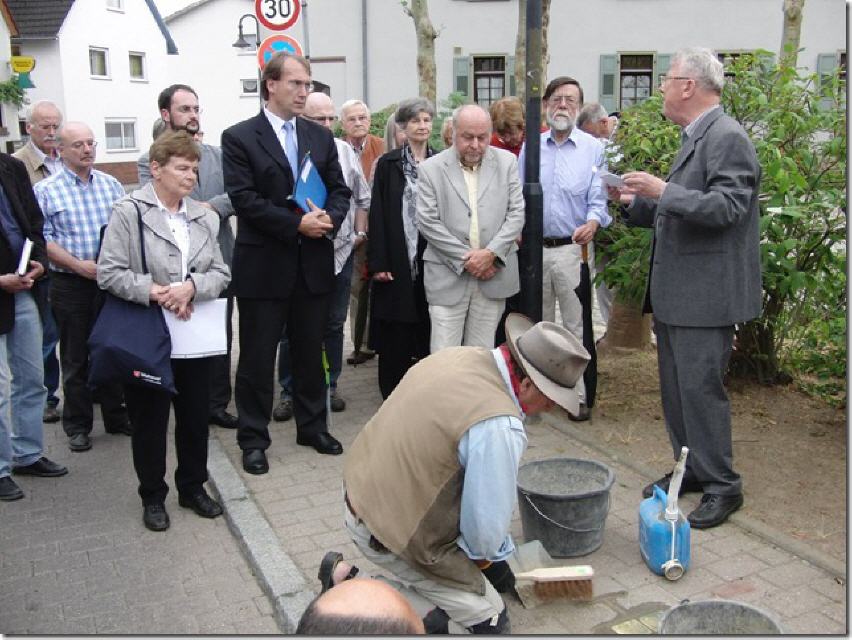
(77, 147)
(361, 606)
(320, 108)
(471, 133)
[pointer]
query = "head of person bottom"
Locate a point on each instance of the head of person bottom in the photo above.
(361, 606)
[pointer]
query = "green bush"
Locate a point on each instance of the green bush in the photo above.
(798, 125)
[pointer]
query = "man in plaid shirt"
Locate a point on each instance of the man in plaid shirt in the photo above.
(76, 202)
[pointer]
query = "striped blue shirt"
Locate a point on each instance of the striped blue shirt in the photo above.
(74, 211)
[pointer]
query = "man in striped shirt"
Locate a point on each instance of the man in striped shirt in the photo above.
(76, 202)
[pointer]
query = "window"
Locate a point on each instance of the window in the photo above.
(121, 135)
(489, 79)
(137, 66)
(115, 5)
(636, 79)
(98, 62)
(249, 86)
(843, 66)
(727, 58)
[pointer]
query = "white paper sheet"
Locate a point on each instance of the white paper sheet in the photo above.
(612, 180)
(203, 334)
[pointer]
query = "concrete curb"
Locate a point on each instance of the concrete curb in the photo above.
(830, 564)
(278, 576)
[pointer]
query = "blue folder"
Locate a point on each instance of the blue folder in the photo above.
(309, 185)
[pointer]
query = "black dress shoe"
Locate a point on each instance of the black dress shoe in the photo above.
(714, 510)
(9, 490)
(42, 467)
(254, 461)
(51, 414)
(686, 486)
(284, 410)
(155, 517)
(202, 504)
(224, 419)
(337, 403)
(79, 442)
(124, 428)
(360, 357)
(322, 442)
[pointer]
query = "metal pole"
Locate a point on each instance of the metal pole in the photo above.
(530, 254)
(256, 49)
(305, 27)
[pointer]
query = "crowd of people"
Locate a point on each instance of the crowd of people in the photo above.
(419, 248)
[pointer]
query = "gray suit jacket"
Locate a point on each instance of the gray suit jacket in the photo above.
(443, 218)
(120, 261)
(209, 188)
(705, 264)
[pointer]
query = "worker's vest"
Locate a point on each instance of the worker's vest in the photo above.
(402, 473)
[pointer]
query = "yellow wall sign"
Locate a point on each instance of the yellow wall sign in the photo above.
(22, 64)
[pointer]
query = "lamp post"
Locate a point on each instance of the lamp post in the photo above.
(242, 43)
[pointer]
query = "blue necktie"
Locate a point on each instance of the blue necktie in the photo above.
(290, 148)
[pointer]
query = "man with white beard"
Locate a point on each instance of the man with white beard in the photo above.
(574, 206)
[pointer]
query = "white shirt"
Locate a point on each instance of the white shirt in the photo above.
(50, 163)
(179, 226)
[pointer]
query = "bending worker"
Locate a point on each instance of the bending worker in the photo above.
(430, 481)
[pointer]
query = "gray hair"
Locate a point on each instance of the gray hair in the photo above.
(410, 108)
(390, 132)
(704, 65)
(353, 103)
(591, 112)
(41, 104)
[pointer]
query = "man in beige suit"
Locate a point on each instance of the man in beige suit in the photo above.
(41, 157)
(470, 211)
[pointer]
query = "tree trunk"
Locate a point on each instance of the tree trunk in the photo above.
(521, 46)
(791, 31)
(628, 327)
(426, 34)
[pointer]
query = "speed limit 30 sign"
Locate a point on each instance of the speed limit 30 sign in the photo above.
(277, 15)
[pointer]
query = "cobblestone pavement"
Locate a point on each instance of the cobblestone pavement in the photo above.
(76, 559)
(300, 498)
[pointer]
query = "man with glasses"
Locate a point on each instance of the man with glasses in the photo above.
(76, 202)
(41, 157)
(355, 120)
(283, 258)
(574, 206)
(180, 111)
(320, 109)
(704, 276)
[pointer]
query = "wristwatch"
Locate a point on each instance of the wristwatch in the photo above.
(361, 234)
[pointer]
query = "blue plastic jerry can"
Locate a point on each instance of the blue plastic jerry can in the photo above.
(664, 544)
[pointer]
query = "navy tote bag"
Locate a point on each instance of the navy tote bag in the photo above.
(130, 342)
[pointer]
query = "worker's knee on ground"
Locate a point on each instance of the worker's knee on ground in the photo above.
(492, 626)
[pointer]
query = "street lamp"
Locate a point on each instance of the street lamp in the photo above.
(242, 43)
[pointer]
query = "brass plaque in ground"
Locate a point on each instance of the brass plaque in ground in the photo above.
(642, 619)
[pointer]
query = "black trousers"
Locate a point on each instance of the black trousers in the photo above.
(76, 302)
(262, 322)
(402, 345)
(220, 369)
(149, 412)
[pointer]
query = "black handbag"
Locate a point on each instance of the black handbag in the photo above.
(129, 342)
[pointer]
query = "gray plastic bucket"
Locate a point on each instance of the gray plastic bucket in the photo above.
(564, 503)
(717, 617)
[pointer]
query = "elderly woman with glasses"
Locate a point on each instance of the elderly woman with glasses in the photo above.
(399, 314)
(184, 266)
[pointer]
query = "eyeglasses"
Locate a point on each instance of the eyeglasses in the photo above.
(665, 79)
(571, 101)
(322, 118)
(295, 85)
(83, 143)
(187, 109)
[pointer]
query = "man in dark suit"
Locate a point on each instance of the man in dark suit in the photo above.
(283, 258)
(705, 274)
(22, 390)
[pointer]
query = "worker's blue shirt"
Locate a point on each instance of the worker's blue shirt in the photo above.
(490, 452)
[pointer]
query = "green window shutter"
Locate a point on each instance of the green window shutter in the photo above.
(608, 90)
(510, 76)
(826, 65)
(662, 62)
(461, 72)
